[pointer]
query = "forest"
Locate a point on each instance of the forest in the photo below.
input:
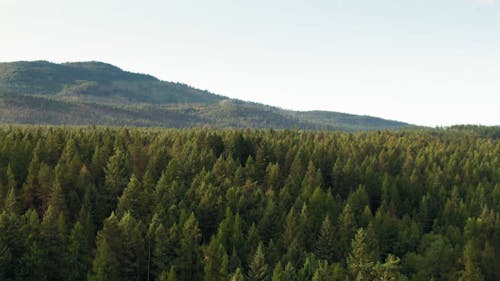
(112, 204)
(97, 93)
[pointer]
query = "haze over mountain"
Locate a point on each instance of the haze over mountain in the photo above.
(96, 93)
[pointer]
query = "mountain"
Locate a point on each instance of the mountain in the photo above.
(83, 93)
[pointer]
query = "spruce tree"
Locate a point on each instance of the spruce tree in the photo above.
(79, 260)
(188, 262)
(258, 269)
(325, 244)
(360, 261)
(278, 273)
(238, 276)
(133, 259)
(54, 235)
(472, 271)
(106, 266)
(215, 261)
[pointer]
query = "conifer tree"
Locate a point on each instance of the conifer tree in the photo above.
(116, 180)
(308, 268)
(159, 259)
(322, 272)
(258, 269)
(238, 276)
(54, 235)
(32, 262)
(11, 203)
(79, 254)
(57, 199)
(389, 270)
(188, 261)
(472, 271)
(325, 244)
(30, 187)
(132, 259)
(278, 273)
(133, 200)
(347, 227)
(290, 273)
(106, 266)
(167, 276)
(45, 179)
(107, 261)
(6, 255)
(215, 261)
(360, 261)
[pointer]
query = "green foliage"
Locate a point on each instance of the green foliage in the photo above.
(258, 270)
(216, 262)
(325, 244)
(79, 259)
(360, 261)
(238, 276)
(189, 261)
(95, 93)
(93, 203)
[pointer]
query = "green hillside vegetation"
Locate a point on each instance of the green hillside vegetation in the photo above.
(103, 204)
(95, 93)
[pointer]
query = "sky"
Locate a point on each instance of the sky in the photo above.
(426, 62)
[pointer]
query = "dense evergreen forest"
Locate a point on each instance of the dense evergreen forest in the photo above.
(91, 203)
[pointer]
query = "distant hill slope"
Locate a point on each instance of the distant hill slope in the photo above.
(84, 93)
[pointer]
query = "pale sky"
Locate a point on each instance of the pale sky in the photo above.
(426, 62)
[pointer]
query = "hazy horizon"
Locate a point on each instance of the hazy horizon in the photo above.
(433, 63)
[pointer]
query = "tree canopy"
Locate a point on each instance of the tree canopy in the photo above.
(97, 203)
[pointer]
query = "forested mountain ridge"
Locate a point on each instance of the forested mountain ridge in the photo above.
(96, 93)
(95, 81)
(103, 204)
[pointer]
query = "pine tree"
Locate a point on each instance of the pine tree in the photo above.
(6, 251)
(215, 261)
(54, 235)
(11, 178)
(133, 200)
(188, 261)
(172, 276)
(278, 273)
(132, 259)
(360, 261)
(325, 244)
(11, 202)
(347, 227)
(322, 272)
(32, 261)
(159, 260)
(389, 270)
(30, 187)
(270, 222)
(234, 261)
(238, 276)
(57, 199)
(79, 254)
(291, 228)
(116, 180)
(45, 179)
(237, 237)
(472, 270)
(106, 266)
(308, 268)
(290, 273)
(258, 269)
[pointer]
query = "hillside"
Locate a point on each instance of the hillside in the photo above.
(84, 93)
